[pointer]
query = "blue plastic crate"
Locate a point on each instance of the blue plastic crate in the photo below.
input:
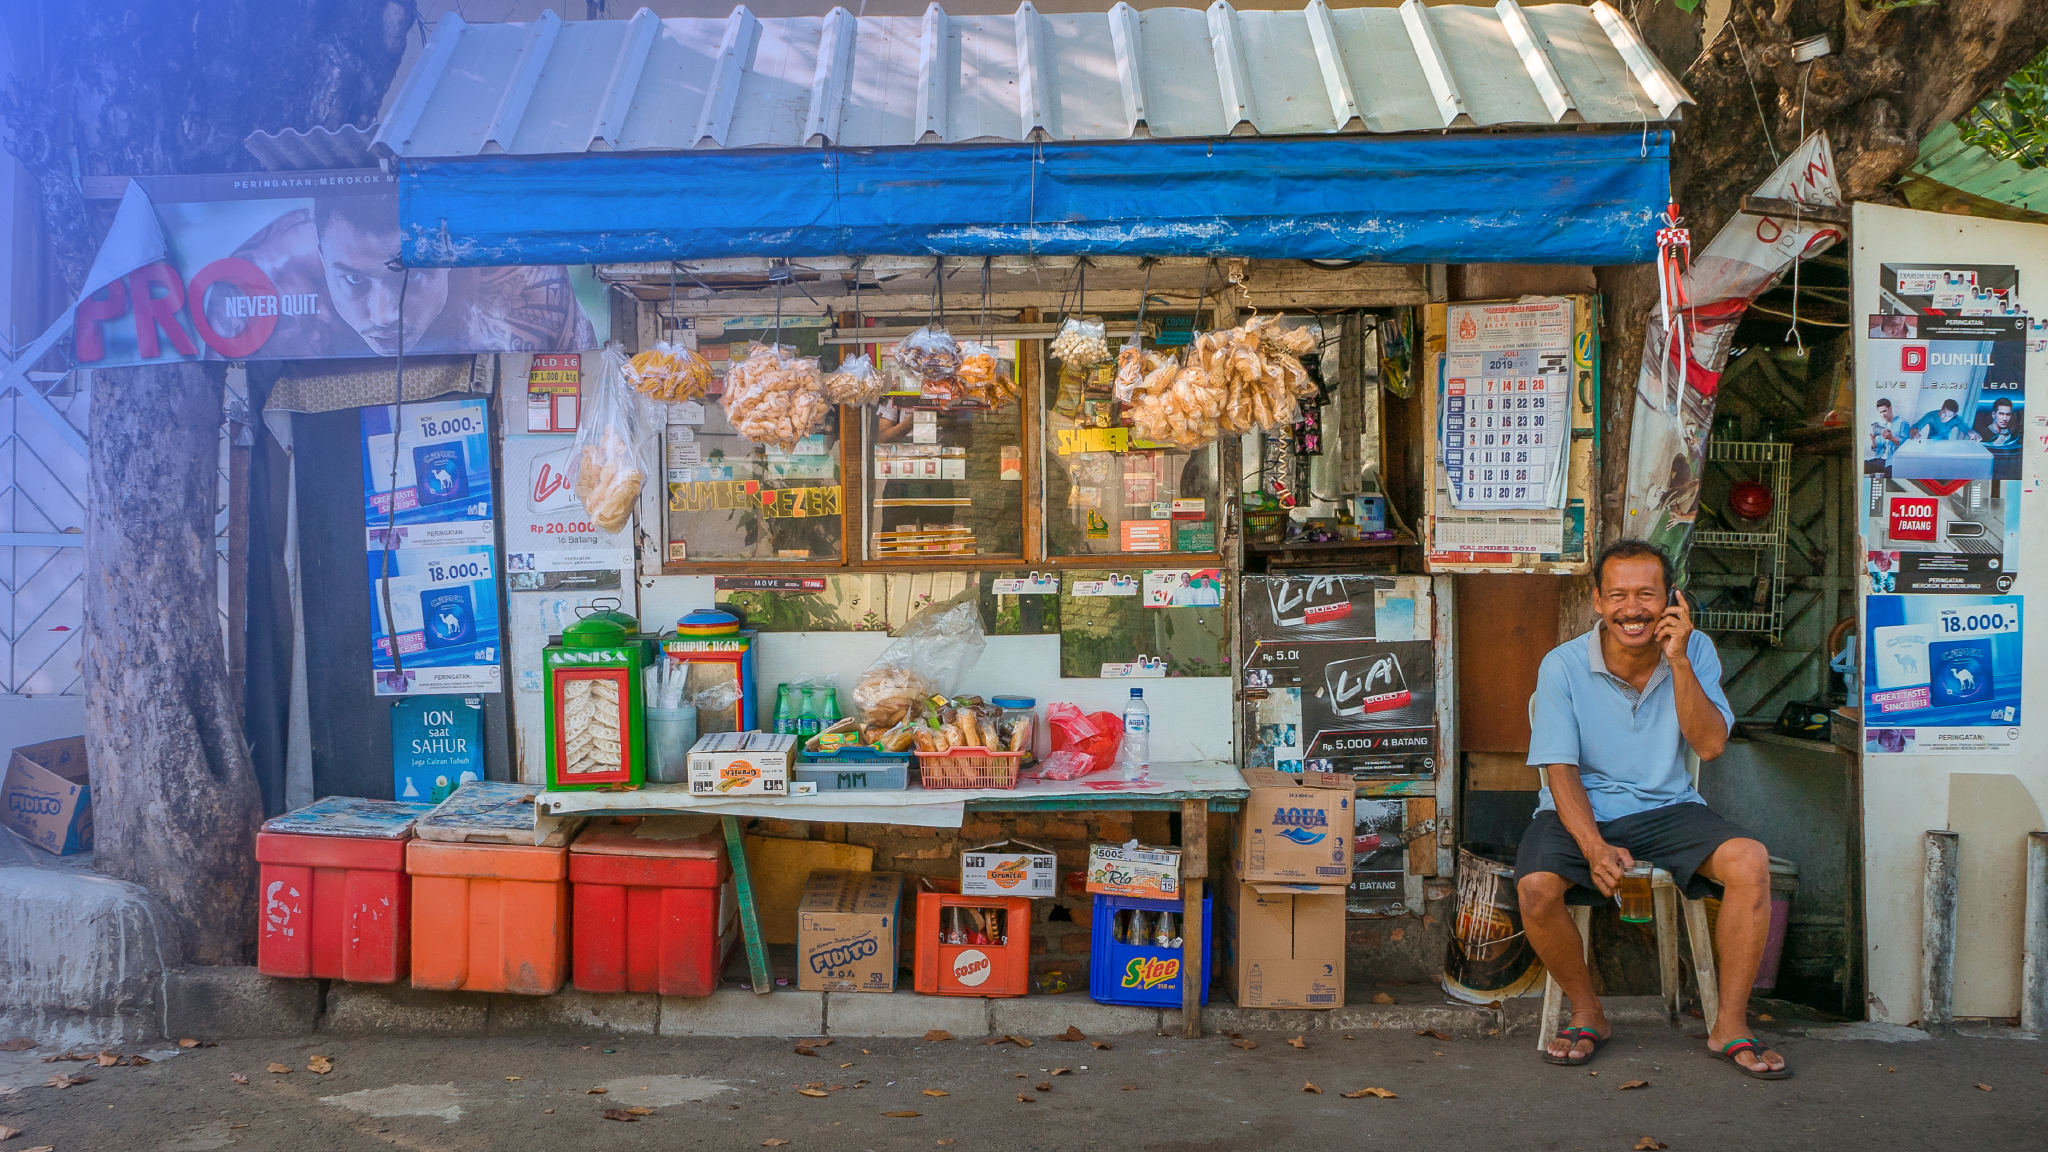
(1136, 974)
(855, 775)
(853, 754)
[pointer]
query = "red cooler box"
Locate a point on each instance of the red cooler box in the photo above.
(336, 899)
(655, 908)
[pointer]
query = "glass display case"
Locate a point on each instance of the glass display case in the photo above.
(1110, 493)
(732, 500)
(944, 480)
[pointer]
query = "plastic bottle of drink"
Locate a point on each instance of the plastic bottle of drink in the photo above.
(1134, 755)
(828, 707)
(807, 724)
(785, 711)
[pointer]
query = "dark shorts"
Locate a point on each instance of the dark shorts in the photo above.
(1677, 838)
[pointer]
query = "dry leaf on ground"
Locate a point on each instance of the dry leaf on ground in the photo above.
(1382, 998)
(1311, 1087)
(620, 1114)
(902, 1115)
(846, 1065)
(41, 1148)
(1650, 1144)
(7, 1133)
(934, 1092)
(1362, 1093)
(947, 1140)
(640, 1111)
(773, 1142)
(188, 1042)
(239, 1077)
(1045, 1085)
(1431, 1032)
(1099, 1045)
(138, 1060)
(597, 1091)
(1062, 1071)
(1019, 1041)
(18, 1044)
(510, 1079)
(1130, 1087)
(279, 1069)
(62, 1081)
(1072, 1033)
(805, 1050)
(1983, 1087)
(938, 1034)
(812, 1092)
(1635, 1084)
(1023, 1099)
(1298, 1042)
(1247, 1045)
(107, 1059)
(319, 1065)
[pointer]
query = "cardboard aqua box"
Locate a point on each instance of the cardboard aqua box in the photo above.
(47, 798)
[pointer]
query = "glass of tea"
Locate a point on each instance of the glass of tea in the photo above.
(1634, 893)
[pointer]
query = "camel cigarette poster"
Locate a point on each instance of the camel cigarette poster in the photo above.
(444, 616)
(1942, 674)
(295, 266)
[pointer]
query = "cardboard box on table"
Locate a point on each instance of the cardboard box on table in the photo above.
(846, 933)
(47, 797)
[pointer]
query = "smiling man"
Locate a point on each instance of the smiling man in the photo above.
(1613, 714)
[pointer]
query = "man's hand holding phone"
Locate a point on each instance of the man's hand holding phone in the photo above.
(1674, 629)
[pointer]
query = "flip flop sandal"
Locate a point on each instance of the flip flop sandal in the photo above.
(1575, 1035)
(1747, 1045)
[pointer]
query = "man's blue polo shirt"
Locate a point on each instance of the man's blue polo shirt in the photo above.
(1627, 746)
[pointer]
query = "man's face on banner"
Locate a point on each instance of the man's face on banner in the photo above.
(365, 291)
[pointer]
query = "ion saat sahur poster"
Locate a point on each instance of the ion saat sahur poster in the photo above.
(1942, 674)
(1941, 429)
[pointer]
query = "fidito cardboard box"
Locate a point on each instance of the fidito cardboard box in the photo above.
(1283, 944)
(1295, 828)
(846, 932)
(46, 797)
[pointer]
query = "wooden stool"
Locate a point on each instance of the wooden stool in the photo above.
(1666, 898)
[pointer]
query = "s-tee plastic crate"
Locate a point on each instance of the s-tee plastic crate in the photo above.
(1141, 974)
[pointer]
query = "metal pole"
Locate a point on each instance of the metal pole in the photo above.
(2034, 969)
(1938, 933)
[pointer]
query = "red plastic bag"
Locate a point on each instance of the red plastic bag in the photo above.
(1093, 736)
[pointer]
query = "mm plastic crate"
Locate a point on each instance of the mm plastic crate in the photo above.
(856, 775)
(962, 951)
(655, 909)
(489, 917)
(1140, 974)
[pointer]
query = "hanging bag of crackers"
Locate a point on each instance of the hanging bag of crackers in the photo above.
(605, 466)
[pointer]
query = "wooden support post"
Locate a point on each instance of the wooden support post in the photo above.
(750, 920)
(1194, 870)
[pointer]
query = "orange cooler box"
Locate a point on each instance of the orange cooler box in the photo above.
(973, 945)
(336, 902)
(656, 910)
(489, 917)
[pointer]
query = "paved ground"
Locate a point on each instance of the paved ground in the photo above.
(1155, 1093)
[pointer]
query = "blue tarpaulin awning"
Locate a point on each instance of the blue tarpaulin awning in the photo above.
(1547, 198)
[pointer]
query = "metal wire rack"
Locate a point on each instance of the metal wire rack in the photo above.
(1769, 463)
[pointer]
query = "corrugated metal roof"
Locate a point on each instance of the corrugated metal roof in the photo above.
(292, 150)
(1946, 159)
(552, 87)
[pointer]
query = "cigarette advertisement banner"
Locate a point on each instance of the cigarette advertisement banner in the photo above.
(1944, 405)
(295, 265)
(1941, 674)
(428, 516)
(551, 543)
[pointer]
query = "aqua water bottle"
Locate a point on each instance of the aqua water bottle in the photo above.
(1134, 755)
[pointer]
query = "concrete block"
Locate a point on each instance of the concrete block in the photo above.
(223, 1003)
(627, 1013)
(83, 957)
(402, 1010)
(738, 1012)
(904, 1013)
(1037, 1016)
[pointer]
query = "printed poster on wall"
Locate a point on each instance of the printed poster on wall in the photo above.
(551, 543)
(444, 613)
(437, 469)
(1942, 674)
(294, 266)
(1942, 420)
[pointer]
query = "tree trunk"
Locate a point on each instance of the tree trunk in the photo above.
(174, 795)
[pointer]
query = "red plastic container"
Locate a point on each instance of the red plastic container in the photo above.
(654, 905)
(988, 964)
(489, 917)
(336, 899)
